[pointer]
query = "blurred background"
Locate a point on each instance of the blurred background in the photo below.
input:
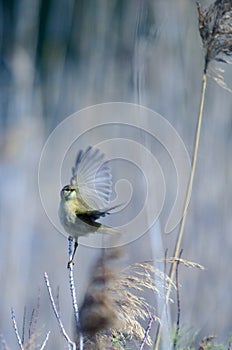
(57, 57)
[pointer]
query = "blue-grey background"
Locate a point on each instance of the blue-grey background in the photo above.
(57, 57)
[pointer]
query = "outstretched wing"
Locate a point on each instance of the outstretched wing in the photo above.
(92, 178)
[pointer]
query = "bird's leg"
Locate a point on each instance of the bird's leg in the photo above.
(71, 261)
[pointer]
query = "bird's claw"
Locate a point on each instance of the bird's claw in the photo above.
(70, 263)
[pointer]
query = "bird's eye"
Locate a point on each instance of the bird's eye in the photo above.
(65, 192)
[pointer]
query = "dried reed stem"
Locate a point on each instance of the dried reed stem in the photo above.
(216, 34)
(189, 190)
(178, 303)
(187, 199)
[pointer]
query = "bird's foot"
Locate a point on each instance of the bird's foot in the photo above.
(70, 263)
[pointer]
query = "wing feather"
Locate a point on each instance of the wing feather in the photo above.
(92, 178)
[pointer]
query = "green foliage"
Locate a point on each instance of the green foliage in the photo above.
(184, 339)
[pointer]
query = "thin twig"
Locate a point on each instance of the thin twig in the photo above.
(72, 288)
(187, 199)
(73, 293)
(16, 329)
(45, 341)
(178, 303)
(147, 331)
(34, 317)
(71, 344)
(30, 324)
(24, 323)
(165, 286)
(58, 298)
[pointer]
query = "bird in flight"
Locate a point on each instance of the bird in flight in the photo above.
(86, 199)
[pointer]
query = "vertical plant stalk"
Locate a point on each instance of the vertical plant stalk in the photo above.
(176, 336)
(216, 33)
(189, 190)
(73, 292)
(187, 199)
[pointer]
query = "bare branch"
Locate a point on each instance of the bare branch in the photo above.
(73, 294)
(16, 329)
(147, 331)
(45, 341)
(71, 344)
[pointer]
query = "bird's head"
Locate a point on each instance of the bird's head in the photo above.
(68, 192)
